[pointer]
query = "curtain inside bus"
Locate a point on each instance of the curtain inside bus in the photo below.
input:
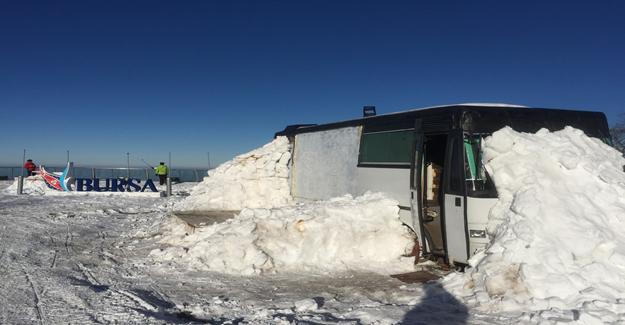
(477, 180)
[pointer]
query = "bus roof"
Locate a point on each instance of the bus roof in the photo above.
(471, 117)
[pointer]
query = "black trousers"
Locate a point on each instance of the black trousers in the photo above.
(162, 179)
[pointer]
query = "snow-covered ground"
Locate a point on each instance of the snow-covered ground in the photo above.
(86, 259)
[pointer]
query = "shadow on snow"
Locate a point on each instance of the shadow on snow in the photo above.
(437, 307)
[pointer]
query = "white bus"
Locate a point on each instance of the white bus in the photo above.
(427, 159)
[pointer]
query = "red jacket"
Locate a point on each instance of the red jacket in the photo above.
(30, 166)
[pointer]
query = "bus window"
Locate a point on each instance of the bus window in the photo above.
(456, 174)
(388, 147)
(477, 180)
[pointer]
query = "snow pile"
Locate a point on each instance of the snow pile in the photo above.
(33, 185)
(557, 231)
(257, 179)
(344, 233)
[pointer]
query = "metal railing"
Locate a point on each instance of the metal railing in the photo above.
(177, 174)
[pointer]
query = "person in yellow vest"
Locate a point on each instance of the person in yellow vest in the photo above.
(161, 172)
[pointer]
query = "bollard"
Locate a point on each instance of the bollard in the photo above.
(168, 186)
(20, 185)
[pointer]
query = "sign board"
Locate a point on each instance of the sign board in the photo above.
(63, 182)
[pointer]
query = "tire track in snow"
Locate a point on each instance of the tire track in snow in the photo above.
(37, 298)
(68, 238)
(141, 302)
(117, 290)
(88, 274)
(56, 252)
(149, 307)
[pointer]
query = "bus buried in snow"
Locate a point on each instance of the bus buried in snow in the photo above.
(427, 159)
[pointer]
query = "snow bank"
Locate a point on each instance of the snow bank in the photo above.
(557, 231)
(257, 179)
(344, 233)
(33, 185)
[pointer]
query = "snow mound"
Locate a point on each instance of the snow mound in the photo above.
(33, 185)
(256, 179)
(557, 231)
(339, 234)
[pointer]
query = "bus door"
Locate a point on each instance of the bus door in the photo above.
(426, 191)
(415, 183)
(480, 190)
(455, 221)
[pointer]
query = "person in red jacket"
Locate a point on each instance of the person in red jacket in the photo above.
(30, 167)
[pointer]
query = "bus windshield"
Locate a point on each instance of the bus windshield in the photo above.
(477, 180)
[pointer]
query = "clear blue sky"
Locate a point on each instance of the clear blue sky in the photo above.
(102, 78)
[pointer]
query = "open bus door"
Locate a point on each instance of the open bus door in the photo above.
(455, 221)
(416, 205)
(426, 191)
(438, 197)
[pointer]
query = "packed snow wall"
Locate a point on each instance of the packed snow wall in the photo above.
(324, 163)
(255, 179)
(557, 231)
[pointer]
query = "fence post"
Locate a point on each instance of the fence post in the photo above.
(146, 174)
(92, 172)
(197, 177)
(23, 162)
(169, 173)
(20, 185)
